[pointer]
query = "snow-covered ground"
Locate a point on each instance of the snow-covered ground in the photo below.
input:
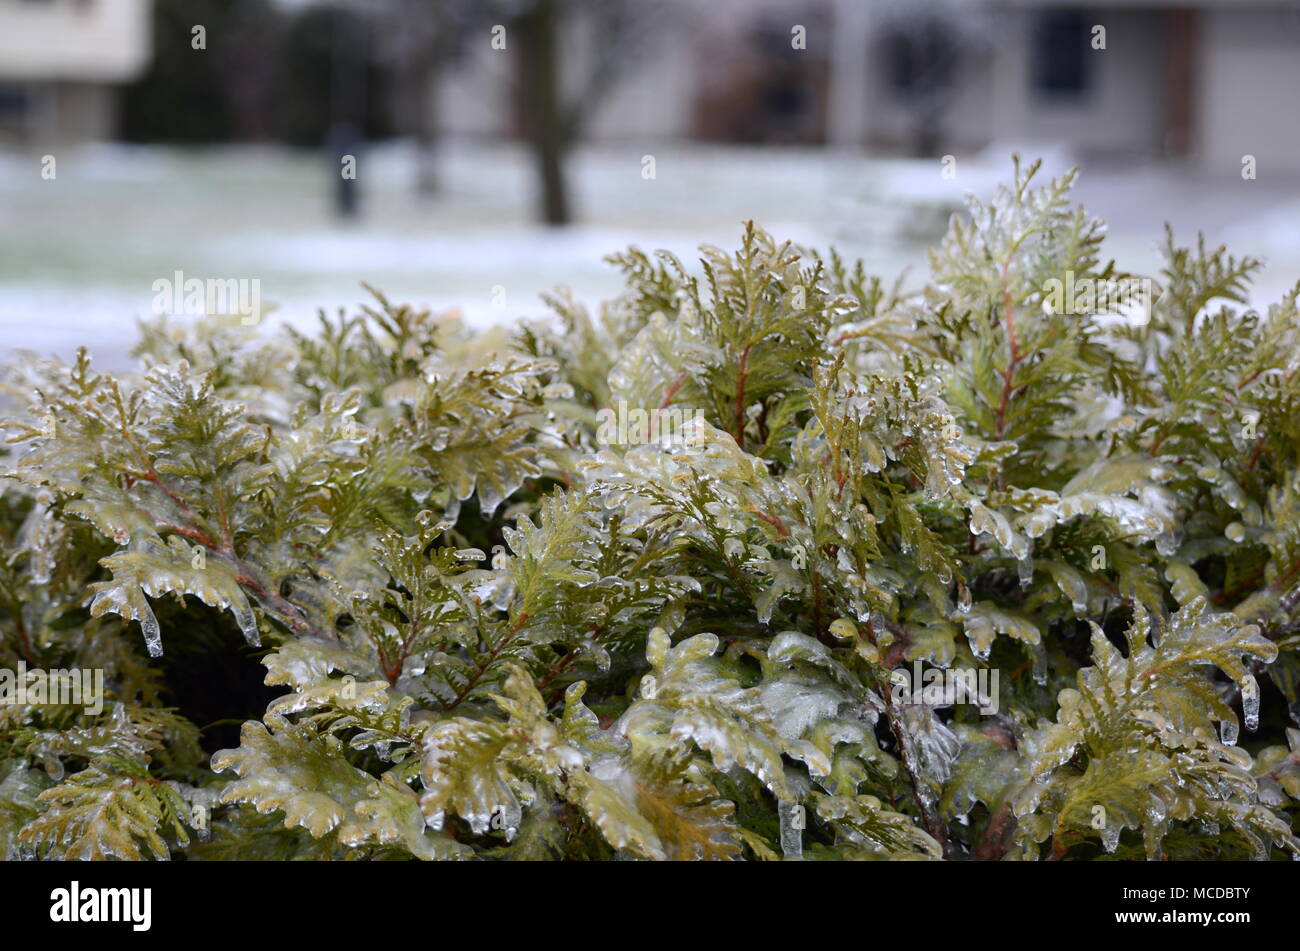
(79, 254)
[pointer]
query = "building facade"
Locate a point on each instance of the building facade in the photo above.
(62, 63)
(1204, 81)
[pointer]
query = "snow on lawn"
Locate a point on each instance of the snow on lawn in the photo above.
(79, 255)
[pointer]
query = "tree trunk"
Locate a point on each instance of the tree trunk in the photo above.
(426, 78)
(425, 126)
(545, 121)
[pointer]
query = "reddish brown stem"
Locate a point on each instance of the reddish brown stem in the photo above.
(1014, 357)
(773, 520)
(492, 655)
(673, 387)
(740, 397)
(29, 654)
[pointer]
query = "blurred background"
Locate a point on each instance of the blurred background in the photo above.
(473, 153)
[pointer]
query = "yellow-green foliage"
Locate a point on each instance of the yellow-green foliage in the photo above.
(492, 633)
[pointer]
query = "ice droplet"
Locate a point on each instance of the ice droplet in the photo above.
(1110, 837)
(963, 598)
(1228, 732)
(1250, 702)
(1236, 532)
(53, 766)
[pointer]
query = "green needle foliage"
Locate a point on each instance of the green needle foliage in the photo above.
(491, 630)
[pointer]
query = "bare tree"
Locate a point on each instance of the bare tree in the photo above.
(927, 43)
(618, 34)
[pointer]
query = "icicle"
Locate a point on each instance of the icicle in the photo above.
(1228, 731)
(247, 622)
(1250, 702)
(792, 825)
(1110, 837)
(1025, 568)
(152, 634)
(1040, 664)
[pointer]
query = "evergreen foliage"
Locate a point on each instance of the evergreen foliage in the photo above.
(492, 634)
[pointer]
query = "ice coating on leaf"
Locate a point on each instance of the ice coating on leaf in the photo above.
(985, 621)
(492, 587)
(1072, 585)
(1185, 583)
(701, 704)
(304, 662)
(290, 769)
(784, 580)
(796, 704)
(1103, 489)
(53, 766)
(558, 391)
(1228, 489)
(155, 570)
(42, 535)
(987, 521)
(934, 744)
(463, 773)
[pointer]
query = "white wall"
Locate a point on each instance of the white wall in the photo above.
(98, 41)
(1119, 113)
(1249, 98)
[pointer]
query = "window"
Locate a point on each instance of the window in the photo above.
(15, 103)
(1061, 46)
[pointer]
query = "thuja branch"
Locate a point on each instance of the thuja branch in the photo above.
(930, 819)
